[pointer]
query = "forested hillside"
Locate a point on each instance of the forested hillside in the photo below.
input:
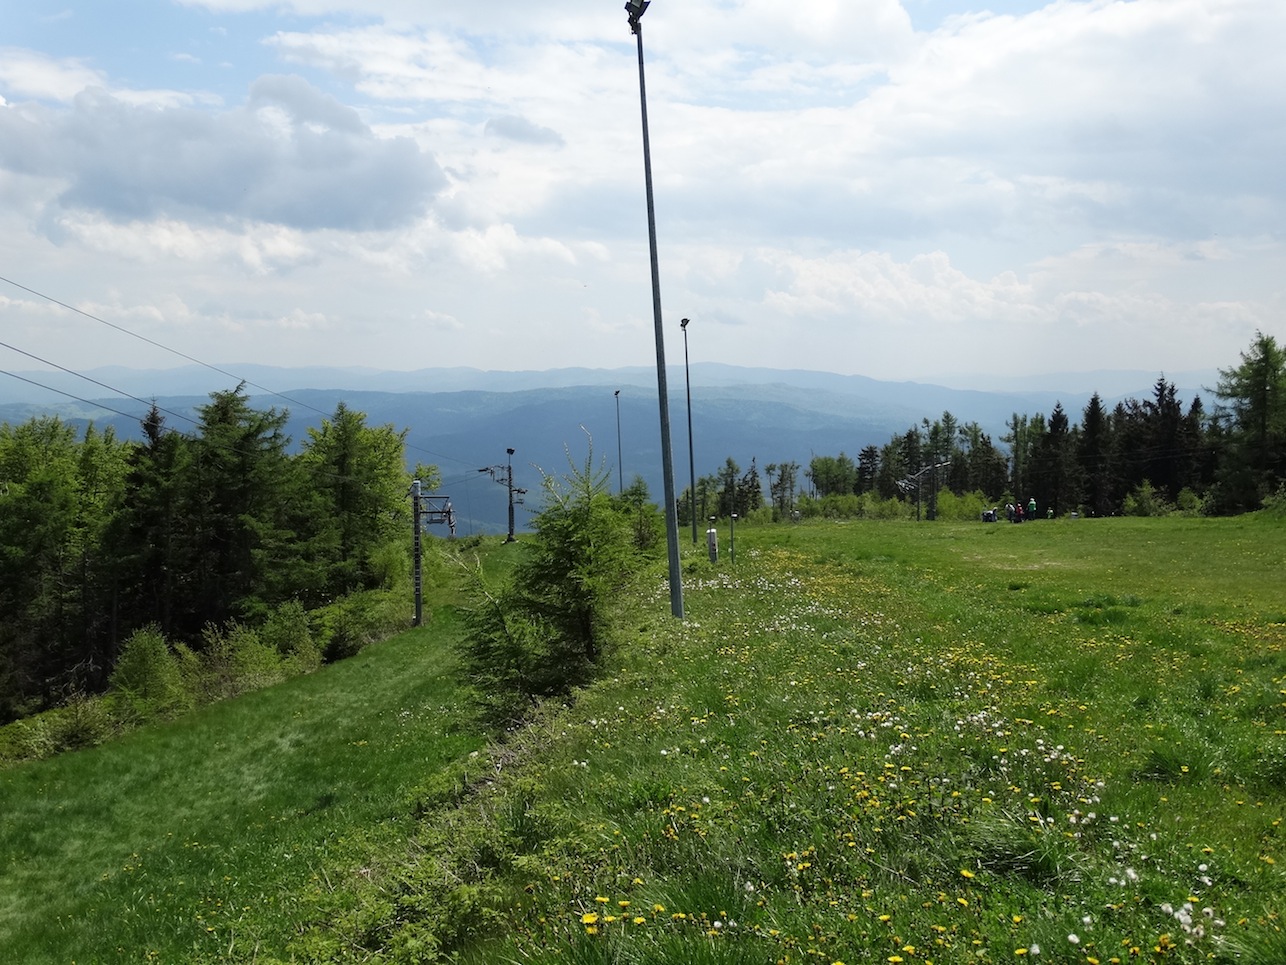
(100, 538)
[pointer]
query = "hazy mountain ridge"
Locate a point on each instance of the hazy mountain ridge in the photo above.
(201, 380)
(464, 419)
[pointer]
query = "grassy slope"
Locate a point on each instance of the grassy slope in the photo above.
(908, 743)
(868, 742)
(215, 835)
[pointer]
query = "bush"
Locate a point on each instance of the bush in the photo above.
(147, 677)
(832, 506)
(81, 722)
(1189, 503)
(390, 565)
(849, 506)
(1275, 504)
(287, 632)
(543, 634)
(1146, 501)
(644, 517)
(506, 654)
(963, 508)
(873, 507)
(348, 625)
(235, 661)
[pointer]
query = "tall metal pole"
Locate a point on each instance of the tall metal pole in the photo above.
(692, 465)
(636, 9)
(620, 461)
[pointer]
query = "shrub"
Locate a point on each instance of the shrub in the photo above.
(873, 507)
(582, 552)
(235, 661)
(1189, 503)
(348, 625)
(1146, 501)
(963, 508)
(646, 523)
(147, 677)
(287, 632)
(390, 565)
(831, 506)
(81, 722)
(1275, 504)
(543, 634)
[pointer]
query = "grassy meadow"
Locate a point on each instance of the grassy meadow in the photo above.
(1063, 741)
(212, 837)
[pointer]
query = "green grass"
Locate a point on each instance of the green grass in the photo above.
(869, 742)
(215, 836)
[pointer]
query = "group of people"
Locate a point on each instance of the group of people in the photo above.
(1015, 514)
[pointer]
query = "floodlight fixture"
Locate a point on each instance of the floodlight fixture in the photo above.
(636, 9)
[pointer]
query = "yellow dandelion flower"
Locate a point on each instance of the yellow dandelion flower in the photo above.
(966, 873)
(963, 902)
(639, 919)
(589, 918)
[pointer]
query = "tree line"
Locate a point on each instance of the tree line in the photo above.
(195, 537)
(1140, 456)
(187, 535)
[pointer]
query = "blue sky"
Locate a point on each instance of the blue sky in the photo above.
(901, 190)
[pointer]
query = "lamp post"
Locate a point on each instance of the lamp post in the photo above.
(692, 465)
(636, 9)
(620, 461)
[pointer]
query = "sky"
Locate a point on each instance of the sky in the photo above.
(904, 190)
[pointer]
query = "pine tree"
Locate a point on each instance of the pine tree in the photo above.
(1252, 418)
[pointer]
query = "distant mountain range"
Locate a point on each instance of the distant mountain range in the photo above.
(464, 419)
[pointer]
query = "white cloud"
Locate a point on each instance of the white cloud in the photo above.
(31, 74)
(292, 156)
(833, 187)
(299, 320)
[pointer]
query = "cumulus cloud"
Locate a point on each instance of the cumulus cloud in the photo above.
(30, 74)
(829, 178)
(292, 155)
